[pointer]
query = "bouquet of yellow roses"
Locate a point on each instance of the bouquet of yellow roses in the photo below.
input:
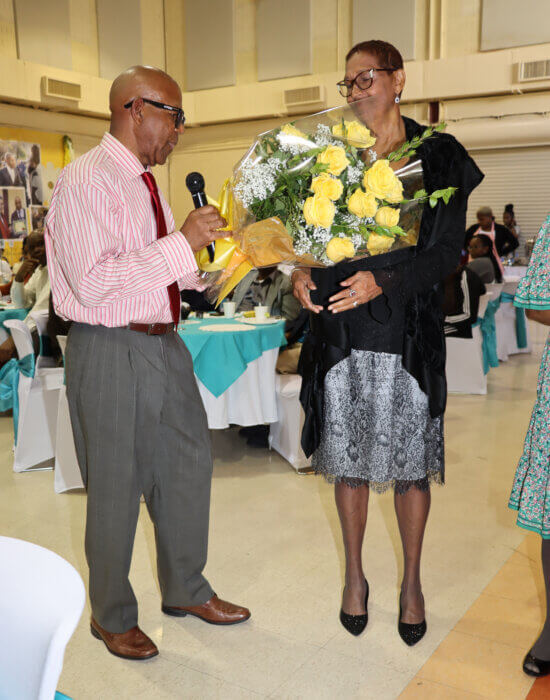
(314, 192)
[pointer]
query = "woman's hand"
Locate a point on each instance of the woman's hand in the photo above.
(360, 288)
(302, 284)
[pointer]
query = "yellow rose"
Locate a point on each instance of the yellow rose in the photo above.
(319, 211)
(293, 131)
(339, 248)
(387, 217)
(362, 204)
(335, 158)
(328, 186)
(379, 244)
(354, 133)
(383, 182)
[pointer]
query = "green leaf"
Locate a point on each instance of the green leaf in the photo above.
(420, 194)
(433, 201)
(397, 230)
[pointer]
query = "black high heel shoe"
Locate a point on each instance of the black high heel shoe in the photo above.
(411, 634)
(535, 667)
(355, 624)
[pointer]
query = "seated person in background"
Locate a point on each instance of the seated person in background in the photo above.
(509, 220)
(6, 285)
(196, 300)
(267, 287)
(462, 289)
(505, 241)
(33, 295)
(482, 259)
(5, 271)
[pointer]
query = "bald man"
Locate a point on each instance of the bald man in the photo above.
(117, 262)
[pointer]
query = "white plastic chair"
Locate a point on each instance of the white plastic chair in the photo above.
(285, 435)
(66, 471)
(38, 399)
(41, 601)
(464, 366)
(41, 320)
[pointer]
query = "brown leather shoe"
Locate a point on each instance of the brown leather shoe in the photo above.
(214, 611)
(133, 644)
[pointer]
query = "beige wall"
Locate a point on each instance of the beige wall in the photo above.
(473, 87)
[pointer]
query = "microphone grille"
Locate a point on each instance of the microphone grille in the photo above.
(195, 183)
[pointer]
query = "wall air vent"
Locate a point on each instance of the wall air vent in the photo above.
(61, 90)
(533, 70)
(304, 99)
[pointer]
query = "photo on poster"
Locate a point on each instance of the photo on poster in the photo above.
(13, 214)
(20, 167)
(38, 214)
(11, 253)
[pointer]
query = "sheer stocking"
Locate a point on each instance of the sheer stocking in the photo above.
(541, 648)
(412, 508)
(352, 504)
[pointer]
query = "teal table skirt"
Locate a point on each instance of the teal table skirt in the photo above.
(8, 314)
(219, 358)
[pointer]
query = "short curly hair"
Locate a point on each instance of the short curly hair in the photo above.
(386, 53)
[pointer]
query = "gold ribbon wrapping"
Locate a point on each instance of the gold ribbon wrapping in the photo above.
(260, 244)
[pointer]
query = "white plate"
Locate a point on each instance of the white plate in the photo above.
(261, 321)
(221, 327)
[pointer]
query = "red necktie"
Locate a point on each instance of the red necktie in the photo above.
(173, 290)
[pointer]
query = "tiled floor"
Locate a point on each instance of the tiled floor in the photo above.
(275, 547)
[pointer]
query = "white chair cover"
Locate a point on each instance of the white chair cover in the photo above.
(285, 435)
(41, 601)
(38, 399)
(505, 320)
(41, 320)
(250, 400)
(464, 366)
(66, 471)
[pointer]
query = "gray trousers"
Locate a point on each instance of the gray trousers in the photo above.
(139, 428)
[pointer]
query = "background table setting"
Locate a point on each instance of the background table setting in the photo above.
(234, 361)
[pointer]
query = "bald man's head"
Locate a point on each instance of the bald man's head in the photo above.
(140, 81)
(148, 130)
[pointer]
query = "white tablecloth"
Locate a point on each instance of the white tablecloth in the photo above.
(250, 400)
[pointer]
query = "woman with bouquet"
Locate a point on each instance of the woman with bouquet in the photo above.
(373, 364)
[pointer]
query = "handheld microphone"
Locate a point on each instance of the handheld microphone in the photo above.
(195, 185)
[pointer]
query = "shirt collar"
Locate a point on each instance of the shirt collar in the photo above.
(128, 163)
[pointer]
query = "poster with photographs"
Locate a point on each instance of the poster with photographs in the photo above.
(20, 167)
(14, 221)
(38, 214)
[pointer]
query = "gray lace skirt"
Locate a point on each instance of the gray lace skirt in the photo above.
(377, 426)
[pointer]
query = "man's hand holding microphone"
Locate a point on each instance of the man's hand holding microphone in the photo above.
(202, 226)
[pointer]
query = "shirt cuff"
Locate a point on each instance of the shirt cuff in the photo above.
(180, 259)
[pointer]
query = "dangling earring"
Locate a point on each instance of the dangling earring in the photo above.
(397, 99)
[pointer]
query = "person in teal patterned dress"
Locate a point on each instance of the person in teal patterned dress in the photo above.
(531, 490)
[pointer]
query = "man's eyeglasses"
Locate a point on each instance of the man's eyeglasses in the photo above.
(363, 80)
(179, 116)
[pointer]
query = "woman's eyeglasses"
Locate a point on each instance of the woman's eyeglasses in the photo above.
(363, 80)
(179, 116)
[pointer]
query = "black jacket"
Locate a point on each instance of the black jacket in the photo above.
(407, 319)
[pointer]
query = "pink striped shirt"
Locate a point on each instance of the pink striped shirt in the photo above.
(106, 265)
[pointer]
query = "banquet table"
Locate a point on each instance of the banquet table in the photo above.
(234, 365)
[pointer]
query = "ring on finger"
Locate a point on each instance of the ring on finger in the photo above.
(352, 292)
(355, 303)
